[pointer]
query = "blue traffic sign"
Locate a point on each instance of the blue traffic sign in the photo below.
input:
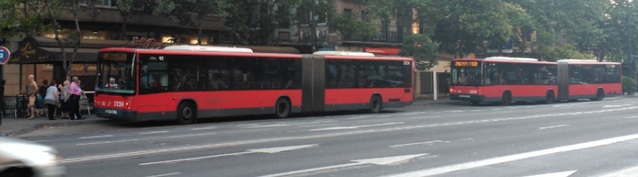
(4, 55)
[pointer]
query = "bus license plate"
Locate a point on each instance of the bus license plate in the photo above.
(108, 111)
(464, 96)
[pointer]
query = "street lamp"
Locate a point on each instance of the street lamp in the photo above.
(632, 62)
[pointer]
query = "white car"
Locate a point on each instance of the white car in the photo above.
(19, 158)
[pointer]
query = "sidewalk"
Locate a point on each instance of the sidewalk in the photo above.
(13, 127)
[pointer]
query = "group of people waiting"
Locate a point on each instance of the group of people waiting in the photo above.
(63, 97)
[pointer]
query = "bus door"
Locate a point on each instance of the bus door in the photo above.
(313, 83)
(563, 81)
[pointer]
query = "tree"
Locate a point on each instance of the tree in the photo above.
(422, 49)
(462, 27)
(127, 9)
(74, 38)
(22, 16)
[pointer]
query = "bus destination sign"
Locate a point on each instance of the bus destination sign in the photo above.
(466, 63)
(114, 56)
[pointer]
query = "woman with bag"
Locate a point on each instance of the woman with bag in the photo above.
(52, 99)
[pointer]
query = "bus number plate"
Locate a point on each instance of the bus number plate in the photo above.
(464, 96)
(109, 111)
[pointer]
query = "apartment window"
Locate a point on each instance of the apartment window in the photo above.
(347, 11)
(109, 2)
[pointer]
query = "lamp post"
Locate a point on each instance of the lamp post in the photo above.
(630, 59)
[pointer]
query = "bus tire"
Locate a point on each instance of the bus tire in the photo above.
(475, 102)
(186, 113)
(506, 99)
(282, 108)
(376, 104)
(550, 98)
(600, 94)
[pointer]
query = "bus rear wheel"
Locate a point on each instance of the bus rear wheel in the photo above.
(375, 104)
(549, 99)
(186, 113)
(282, 108)
(506, 99)
(600, 94)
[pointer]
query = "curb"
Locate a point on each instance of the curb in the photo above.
(38, 126)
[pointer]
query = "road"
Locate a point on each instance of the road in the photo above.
(585, 138)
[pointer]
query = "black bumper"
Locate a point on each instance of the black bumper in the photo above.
(116, 114)
(467, 97)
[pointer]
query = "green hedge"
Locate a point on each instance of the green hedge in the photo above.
(628, 85)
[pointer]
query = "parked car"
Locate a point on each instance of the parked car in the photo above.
(20, 158)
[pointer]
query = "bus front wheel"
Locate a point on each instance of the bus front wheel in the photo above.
(507, 99)
(375, 104)
(186, 113)
(282, 108)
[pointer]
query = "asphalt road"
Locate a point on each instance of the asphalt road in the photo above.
(585, 138)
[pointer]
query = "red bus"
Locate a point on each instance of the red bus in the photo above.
(588, 79)
(509, 79)
(185, 83)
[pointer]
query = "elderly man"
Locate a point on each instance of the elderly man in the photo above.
(76, 92)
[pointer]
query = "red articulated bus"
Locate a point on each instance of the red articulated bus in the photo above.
(509, 79)
(185, 83)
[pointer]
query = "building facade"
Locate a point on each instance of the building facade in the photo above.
(103, 26)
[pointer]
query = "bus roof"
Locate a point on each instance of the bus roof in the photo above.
(344, 53)
(208, 48)
(242, 54)
(510, 59)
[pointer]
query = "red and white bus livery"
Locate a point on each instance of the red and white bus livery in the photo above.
(190, 82)
(509, 79)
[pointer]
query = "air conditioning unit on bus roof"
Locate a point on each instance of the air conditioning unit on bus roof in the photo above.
(510, 59)
(576, 60)
(208, 48)
(344, 53)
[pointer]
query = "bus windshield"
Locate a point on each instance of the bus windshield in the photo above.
(467, 73)
(116, 73)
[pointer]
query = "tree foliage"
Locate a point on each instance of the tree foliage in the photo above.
(422, 49)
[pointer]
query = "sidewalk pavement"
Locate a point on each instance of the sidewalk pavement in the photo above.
(16, 126)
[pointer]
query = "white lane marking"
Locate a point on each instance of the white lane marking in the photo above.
(96, 137)
(155, 132)
(554, 126)
(133, 140)
(267, 126)
(419, 143)
(631, 117)
(167, 174)
(106, 142)
(616, 106)
(182, 136)
(356, 127)
(204, 128)
(629, 172)
(376, 161)
(557, 174)
(249, 151)
(515, 157)
(325, 135)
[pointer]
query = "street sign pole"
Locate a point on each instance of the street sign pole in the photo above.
(4, 57)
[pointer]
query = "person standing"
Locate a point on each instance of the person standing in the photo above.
(32, 92)
(52, 99)
(76, 93)
(65, 100)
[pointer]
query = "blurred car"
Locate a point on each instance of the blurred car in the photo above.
(19, 158)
